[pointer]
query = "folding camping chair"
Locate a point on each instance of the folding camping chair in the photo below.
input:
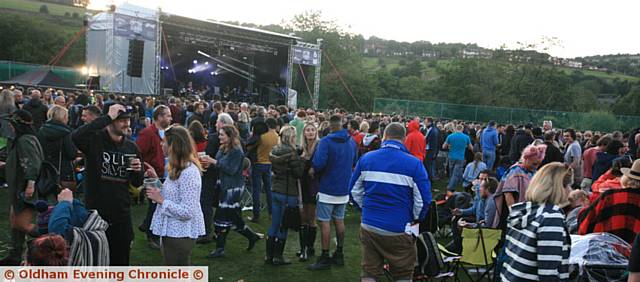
(478, 246)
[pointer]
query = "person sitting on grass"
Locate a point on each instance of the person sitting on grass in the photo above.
(47, 250)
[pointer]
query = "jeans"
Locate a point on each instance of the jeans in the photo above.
(207, 196)
(456, 169)
(489, 158)
(261, 174)
(280, 203)
(120, 236)
(430, 164)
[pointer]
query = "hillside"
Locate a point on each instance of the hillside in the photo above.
(34, 7)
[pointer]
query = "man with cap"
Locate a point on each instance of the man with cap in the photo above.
(112, 165)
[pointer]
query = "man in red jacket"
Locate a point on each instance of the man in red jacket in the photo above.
(150, 144)
(415, 141)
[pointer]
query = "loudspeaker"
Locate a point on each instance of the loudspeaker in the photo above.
(93, 83)
(136, 54)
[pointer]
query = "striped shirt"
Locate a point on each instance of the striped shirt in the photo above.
(537, 244)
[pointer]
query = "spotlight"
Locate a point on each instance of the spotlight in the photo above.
(195, 62)
(244, 58)
(212, 73)
(206, 63)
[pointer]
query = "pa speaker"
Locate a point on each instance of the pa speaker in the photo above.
(136, 53)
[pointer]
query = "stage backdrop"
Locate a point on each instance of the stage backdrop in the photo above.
(108, 40)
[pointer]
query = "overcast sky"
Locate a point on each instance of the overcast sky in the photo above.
(583, 28)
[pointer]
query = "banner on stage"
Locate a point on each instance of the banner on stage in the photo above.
(105, 273)
(306, 56)
(134, 27)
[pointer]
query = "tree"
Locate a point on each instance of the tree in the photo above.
(44, 9)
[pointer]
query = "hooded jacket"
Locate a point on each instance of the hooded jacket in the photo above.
(393, 192)
(489, 139)
(55, 138)
(537, 244)
(287, 168)
(333, 161)
(415, 142)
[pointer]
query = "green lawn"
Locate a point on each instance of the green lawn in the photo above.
(239, 265)
(34, 6)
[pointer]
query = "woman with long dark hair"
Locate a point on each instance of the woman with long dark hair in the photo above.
(178, 218)
(21, 170)
(230, 163)
(309, 229)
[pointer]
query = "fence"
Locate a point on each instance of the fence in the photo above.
(10, 69)
(593, 120)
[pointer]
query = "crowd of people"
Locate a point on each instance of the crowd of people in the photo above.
(193, 160)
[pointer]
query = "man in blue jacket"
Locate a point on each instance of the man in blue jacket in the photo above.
(393, 190)
(333, 162)
(489, 141)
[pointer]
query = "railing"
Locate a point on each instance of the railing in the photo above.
(583, 121)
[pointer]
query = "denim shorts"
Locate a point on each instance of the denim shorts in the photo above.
(325, 212)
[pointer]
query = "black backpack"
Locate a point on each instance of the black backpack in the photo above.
(430, 261)
(48, 182)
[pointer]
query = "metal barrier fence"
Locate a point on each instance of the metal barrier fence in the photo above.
(582, 121)
(9, 69)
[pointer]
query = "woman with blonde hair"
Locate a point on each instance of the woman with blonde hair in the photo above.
(7, 107)
(178, 218)
(59, 150)
(537, 242)
(287, 169)
(309, 185)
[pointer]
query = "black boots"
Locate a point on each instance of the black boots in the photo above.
(221, 240)
(269, 247)
(278, 250)
(275, 249)
(311, 240)
(307, 239)
(251, 236)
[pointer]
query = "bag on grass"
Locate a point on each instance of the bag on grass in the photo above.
(430, 261)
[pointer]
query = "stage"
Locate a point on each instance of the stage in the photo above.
(140, 51)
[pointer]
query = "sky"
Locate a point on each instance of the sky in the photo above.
(582, 28)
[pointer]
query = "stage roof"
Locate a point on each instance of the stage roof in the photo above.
(224, 29)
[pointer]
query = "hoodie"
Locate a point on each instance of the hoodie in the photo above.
(520, 141)
(489, 139)
(415, 142)
(332, 162)
(537, 244)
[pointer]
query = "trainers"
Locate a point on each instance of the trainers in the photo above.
(323, 263)
(338, 259)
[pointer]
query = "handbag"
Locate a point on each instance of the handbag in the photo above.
(291, 218)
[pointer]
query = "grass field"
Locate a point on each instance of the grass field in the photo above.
(431, 73)
(239, 265)
(34, 6)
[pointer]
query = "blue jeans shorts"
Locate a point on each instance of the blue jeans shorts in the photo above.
(325, 212)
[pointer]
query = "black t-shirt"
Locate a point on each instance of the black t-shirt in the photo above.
(107, 177)
(634, 259)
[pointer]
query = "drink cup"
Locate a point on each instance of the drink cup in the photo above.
(152, 183)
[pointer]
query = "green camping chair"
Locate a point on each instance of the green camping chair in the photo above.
(478, 246)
